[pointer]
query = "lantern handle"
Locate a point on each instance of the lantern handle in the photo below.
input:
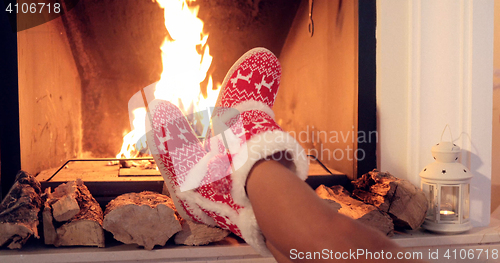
(449, 129)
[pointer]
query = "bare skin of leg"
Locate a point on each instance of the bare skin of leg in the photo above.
(292, 216)
(277, 255)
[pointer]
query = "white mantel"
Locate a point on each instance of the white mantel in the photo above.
(434, 67)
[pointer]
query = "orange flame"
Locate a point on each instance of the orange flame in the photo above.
(186, 59)
(134, 141)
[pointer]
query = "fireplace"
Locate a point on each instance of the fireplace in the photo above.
(406, 112)
(76, 74)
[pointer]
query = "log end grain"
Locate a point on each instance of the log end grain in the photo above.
(195, 234)
(146, 219)
(80, 233)
(65, 208)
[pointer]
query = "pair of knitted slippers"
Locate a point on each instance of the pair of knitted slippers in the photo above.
(207, 181)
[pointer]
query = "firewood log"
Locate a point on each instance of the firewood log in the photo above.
(403, 201)
(83, 228)
(49, 231)
(19, 211)
(145, 218)
(366, 214)
(195, 234)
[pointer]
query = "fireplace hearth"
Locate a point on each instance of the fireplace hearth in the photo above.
(76, 74)
(65, 105)
(35, 77)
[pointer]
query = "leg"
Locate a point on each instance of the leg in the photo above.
(277, 255)
(292, 216)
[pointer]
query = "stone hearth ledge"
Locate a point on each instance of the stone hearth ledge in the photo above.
(417, 240)
(475, 236)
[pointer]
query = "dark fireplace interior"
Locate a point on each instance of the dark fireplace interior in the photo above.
(68, 81)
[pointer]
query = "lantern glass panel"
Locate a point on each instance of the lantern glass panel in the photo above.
(448, 208)
(430, 191)
(466, 204)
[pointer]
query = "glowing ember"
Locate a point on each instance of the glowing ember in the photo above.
(186, 59)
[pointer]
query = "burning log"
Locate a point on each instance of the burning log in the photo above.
(366, 214)
(78, 217)
(19, 211)
(145, 218)
(194, 234)
(404, 202)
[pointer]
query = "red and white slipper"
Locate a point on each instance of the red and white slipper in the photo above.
(210, 186)
(254, 77)
(251, 83)
(176, 150)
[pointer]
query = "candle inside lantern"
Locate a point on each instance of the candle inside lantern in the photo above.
(447, 215)
(446, 212)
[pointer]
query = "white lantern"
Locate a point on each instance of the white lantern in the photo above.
(446, 184)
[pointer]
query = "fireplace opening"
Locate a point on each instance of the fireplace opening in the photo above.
(66, 96)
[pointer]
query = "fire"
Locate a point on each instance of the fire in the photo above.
(134, 141)
(186, 60)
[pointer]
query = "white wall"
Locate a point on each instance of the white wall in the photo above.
(392, 81)
(434, 64)
(495, 156)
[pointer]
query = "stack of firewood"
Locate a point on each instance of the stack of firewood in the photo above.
(72, 217)
(379, 200)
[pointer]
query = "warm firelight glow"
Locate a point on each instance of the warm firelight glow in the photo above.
(186, 59)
